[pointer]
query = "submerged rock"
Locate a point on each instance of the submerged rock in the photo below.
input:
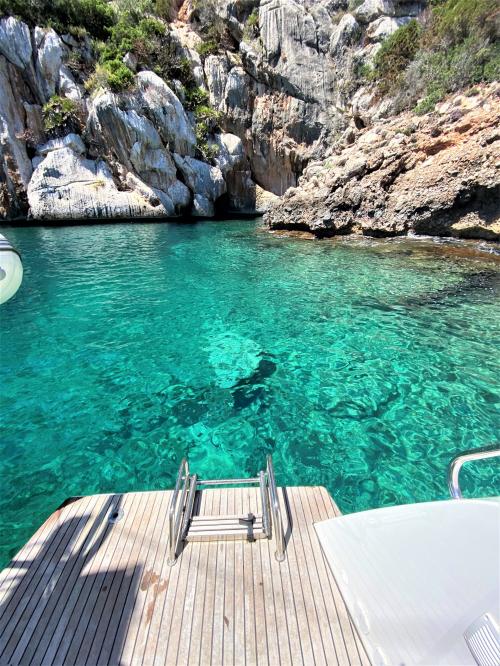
(233, 358)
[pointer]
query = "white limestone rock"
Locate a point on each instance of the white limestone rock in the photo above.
(15, 41)
(201, 178)
(138, 146)
(49, 60)
(384, 26)
(130, 60)
(164, 108)
(345, 33)
(290, 47)
(216, 71)
(68, 86)
(14, 160)
(264, 200)
(67, 186)
(230, 152)
(72, 141)
(34, 122)
(202, 207)
(373, 9)
(120, 127)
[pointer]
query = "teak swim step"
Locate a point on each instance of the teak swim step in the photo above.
(94, 586)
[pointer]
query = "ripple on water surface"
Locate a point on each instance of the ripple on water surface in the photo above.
(362, 366)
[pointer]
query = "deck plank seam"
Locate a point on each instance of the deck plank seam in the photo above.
(211, 546)
(138, 573)
(331, 582)
(188, 617)
(24, 584)
(111, 546)
(44, 580)
(204, 597)
(312, 550)
(59, 585)
(286, 563)
(327, 500)
(177, 570)
(140, 611)
(308, 578)
(36, 540)
(53, 635)
(111, 587)
(280, 566)
(102, 627)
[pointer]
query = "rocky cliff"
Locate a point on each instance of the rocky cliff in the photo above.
(288, 126)
(437, 174)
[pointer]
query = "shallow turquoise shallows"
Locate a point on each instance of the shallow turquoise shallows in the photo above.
(362, 366)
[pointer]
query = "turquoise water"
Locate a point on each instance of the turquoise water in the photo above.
(363, 366)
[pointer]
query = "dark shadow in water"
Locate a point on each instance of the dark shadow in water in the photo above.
(470, 283)
(51, 604)
(487, 281)
(248, 390)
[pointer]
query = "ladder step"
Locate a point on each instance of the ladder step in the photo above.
(242, 526)
(223, 520)
(221, 529)
(225, 534)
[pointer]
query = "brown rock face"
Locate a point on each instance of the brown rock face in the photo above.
(436, 175)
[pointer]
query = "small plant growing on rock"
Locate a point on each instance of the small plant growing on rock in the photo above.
(207, 120)
(428, 103)
(252, 25)
(60, 114)
(455, 45)
(93, 16)
(113, 75)
(207, 48)
(119, 76)
(196, 98)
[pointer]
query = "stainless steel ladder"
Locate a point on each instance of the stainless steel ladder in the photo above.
(184, 526)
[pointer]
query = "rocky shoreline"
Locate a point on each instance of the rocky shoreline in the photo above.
(288, 131)
(437, 174)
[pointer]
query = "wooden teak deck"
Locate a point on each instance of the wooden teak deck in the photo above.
(92, 589)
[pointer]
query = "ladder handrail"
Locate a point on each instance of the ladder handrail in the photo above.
(182, 503)
(276, 512)
(176, 510)
(456, 465)
(264, 498)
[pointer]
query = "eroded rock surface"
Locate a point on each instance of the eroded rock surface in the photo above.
(437, 174)
(123, 142)
(65, 185)
(295, 133)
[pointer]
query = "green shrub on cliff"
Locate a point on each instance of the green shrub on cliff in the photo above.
(209, 47)
(395, 54)
(251, 30)
(60, 114)
(95, 16)
(454, 46)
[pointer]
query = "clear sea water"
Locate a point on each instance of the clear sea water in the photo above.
(363, 366)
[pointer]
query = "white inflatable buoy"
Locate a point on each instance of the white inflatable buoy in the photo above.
(11, 270)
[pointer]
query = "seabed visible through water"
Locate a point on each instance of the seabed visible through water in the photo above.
(363, 365)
